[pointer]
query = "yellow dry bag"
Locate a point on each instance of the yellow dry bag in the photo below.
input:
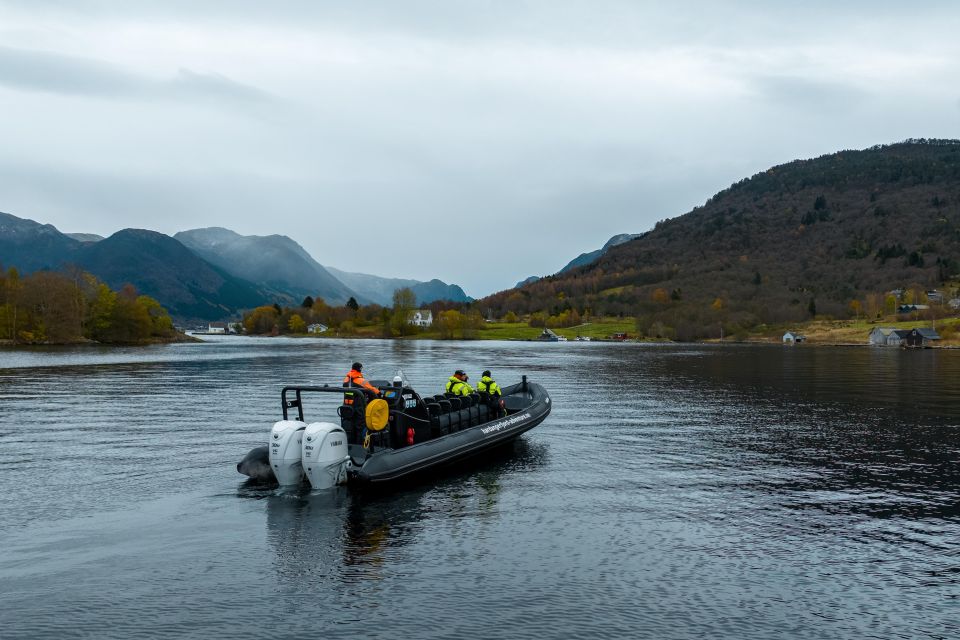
(377, 413)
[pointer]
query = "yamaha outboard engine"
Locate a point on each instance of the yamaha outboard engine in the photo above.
(285, 445)
(325, 454)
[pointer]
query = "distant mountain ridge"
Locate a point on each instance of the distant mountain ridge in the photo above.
(380, 290)
(163, 268)
(157, 265)
(84, 237)
(585, 258)
(526, 281)
(276, 262)
(593, 256)
(201, 274)
(30, 246)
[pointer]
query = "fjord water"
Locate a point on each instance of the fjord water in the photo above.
(674, 492)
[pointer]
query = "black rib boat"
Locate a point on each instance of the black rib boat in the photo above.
(420, 434)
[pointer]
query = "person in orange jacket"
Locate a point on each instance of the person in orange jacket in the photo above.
(355, 379)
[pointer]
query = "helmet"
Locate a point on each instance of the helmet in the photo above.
(486, 373)
(358, 366)
(458, 372)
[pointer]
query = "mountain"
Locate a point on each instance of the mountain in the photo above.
(84, 237)
(163, 268)
(30, 246)
(829, 235)
(587, 258)
(380, 290)
(275, 261)
(157, 265)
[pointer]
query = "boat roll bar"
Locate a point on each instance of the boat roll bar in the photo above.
(298, 401)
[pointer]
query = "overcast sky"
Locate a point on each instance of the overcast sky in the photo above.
(476, 142)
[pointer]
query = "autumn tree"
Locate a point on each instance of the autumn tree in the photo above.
(404, 302)
(890, 304)
(855, 308)
(449, 322)
(261, 320)
(296, 324)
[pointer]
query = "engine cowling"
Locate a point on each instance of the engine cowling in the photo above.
(286, 439)
(324, 454)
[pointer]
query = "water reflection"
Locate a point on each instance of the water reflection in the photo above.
(348, 534)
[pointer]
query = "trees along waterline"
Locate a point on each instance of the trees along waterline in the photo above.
(48, 307)
(451, 320)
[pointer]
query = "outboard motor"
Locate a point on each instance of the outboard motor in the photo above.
(285, 444)
(325, 454)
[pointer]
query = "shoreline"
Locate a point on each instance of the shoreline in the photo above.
(178, 339)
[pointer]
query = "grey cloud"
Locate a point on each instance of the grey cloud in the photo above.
(54, 73)
(807, 93)
(214, 86)
(71, 75)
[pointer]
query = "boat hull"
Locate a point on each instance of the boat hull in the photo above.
(389, 465)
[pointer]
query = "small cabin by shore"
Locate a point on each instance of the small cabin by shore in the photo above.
(793, 337)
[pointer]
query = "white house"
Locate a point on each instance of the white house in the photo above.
(421, 318)
(317, 328)
(885, 336)
(217, 327)
(792, 337)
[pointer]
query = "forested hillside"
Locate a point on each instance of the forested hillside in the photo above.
(831, 235)
(48, 307)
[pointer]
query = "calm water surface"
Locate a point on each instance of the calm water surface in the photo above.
(674, 492)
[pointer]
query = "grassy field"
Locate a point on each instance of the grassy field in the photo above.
(855, 331)
(522, 331)
(823, 332)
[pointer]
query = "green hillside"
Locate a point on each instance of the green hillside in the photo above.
(827, 236)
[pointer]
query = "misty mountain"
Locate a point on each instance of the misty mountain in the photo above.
(190, 288)
(161, 267)
(592, 256)
(275, 261)
(585, 258)
(380, 290)
(30, 246)
(84, 237)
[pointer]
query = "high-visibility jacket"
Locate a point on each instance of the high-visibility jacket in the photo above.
(489, 385)
(355, 379)
(458, 387)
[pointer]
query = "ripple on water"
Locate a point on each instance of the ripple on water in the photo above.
(736, 492)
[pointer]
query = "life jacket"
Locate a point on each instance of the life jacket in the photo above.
(458, 387)
(489, 386)
(354, 379)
